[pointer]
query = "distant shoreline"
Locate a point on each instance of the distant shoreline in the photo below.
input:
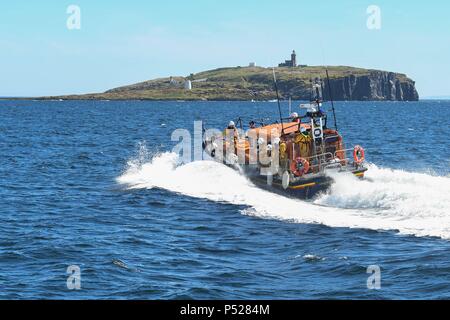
(256, 83)
(155, 100)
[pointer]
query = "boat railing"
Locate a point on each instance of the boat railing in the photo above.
(319, 161)
(344, 155)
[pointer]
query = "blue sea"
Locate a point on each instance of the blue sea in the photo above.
(94, 185)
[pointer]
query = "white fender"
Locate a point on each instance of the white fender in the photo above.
(286, 180)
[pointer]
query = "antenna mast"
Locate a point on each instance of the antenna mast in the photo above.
(331, 99)
(278, 100)
(290, 106)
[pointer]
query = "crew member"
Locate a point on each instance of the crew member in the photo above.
(231, 136)
(295, 117)
(231, 125)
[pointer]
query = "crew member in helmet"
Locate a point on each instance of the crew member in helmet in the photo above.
(231, 135)
(231, 130)
(231, 125)
(295, 117)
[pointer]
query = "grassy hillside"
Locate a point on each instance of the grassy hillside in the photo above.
(237, 83)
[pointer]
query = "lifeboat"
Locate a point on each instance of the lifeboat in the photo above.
(298, 156)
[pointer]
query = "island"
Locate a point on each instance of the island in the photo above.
(256, 83)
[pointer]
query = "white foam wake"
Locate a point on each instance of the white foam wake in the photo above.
(412, 203)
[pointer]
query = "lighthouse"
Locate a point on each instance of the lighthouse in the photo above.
(293, 59)
(290, 63)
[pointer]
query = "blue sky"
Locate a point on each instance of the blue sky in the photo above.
(122, 42)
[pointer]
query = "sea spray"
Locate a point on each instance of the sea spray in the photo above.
(392, 192)
(411, 203)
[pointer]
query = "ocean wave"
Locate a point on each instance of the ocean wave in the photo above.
(407, 202)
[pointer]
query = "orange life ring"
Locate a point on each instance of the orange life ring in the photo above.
(359, 155)
(300, 170)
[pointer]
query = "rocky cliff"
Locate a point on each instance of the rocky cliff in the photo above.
(377, 85)
(349, 84)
